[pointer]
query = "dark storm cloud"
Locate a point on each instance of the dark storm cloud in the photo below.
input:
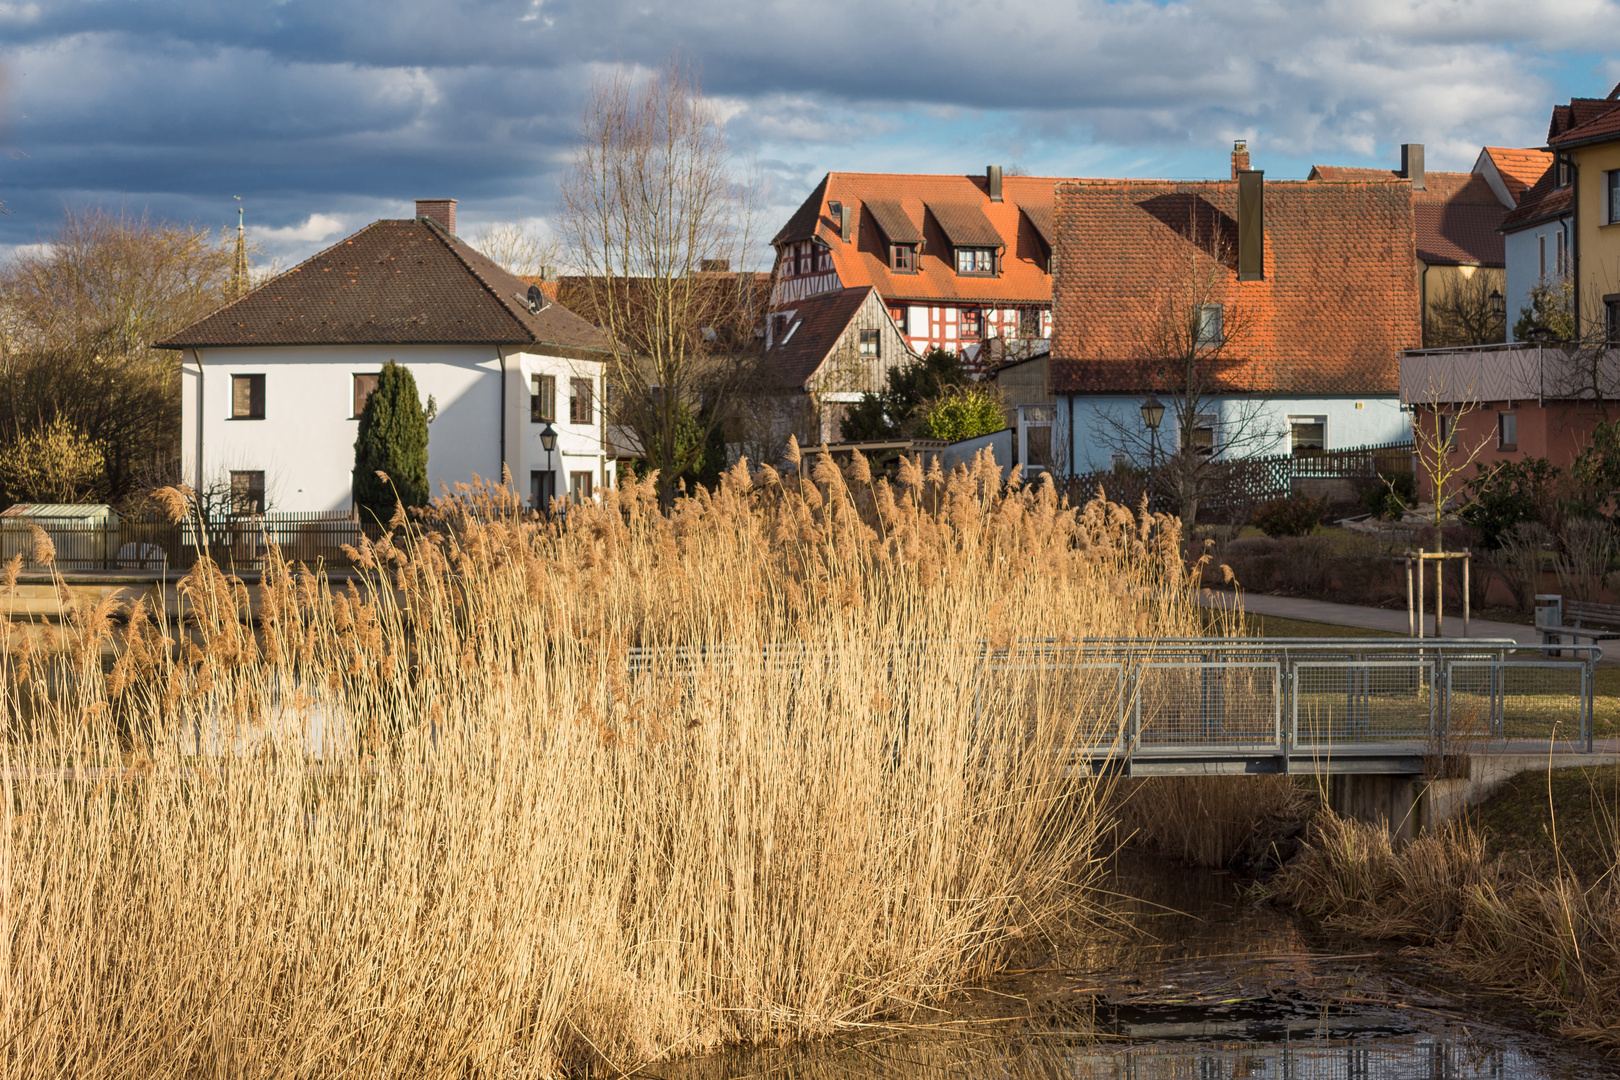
(349, 108)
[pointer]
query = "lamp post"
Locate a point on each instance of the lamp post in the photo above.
(548, 441)
(1152, 415)
(1498, 304)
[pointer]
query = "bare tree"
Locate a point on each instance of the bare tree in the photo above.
(654, 220)
(1469, 312)
(1444, 455)
(1190, 352)
(520, 249)
(78, 317)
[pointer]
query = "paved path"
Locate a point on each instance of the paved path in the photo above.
(1366, 618)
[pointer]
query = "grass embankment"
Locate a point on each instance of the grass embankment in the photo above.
(1522, 896)
(530, 849)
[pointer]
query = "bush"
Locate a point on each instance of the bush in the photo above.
(1390, 495)
(964, 412)
(1293, 516)
(393, 440)
(1506, 494)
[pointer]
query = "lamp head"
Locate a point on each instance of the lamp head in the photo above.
(548, 438)
(1152, 412)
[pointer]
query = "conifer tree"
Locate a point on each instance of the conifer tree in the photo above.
(393, 440)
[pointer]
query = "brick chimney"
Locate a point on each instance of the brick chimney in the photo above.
(1240, 157)
(442, 211)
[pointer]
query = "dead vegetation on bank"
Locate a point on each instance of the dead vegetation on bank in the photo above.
(1505, 924)
(448, 822)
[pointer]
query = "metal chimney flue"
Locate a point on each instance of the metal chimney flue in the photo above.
(1412, 164)
(993, 175)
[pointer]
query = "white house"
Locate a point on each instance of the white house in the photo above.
(273, 383)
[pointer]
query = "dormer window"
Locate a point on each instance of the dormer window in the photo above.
(976, 260)
(903, 258)
(1563, 170)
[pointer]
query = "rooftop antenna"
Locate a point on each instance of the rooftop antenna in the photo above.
(239, 266)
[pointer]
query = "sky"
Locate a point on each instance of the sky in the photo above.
(324, 115)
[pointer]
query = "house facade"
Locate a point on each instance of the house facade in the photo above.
(957, 261)
(1288, 304)
(273, 383)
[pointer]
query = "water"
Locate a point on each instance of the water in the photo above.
(1197, 983)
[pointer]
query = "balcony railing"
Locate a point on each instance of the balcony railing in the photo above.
(1513, 372)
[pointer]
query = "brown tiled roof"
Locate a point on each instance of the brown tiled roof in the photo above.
(1541, 202)
(1590, 126)
(1563, 128)
(395, 282)
(1458, 218)
(1338, 304)
(872, 197)
(1519, 168)
(1460, 235)
(1040, 216)
(898, 224)
(965, 224)
(821, 321)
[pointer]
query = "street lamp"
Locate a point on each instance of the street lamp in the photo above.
(1152, 414)
(548, 442)
(1498, 303)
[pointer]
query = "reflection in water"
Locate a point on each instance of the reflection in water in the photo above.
(1198, 983)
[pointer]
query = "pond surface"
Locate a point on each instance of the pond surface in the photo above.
(1196, 981)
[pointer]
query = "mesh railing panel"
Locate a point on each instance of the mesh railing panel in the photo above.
(1363, 701)
(1516, 700)
(1208, 703)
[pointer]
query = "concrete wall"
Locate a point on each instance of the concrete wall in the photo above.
(1526, 265)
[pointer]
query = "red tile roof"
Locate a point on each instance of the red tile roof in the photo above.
(932, 208)
(395, 282)
(1519, 168)
(1583, 120)
(1338, 304)
(1459, 227)
(1542, 202)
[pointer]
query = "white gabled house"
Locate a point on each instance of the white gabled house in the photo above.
(273, 383)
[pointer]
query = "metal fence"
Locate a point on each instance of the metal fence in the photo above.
(145, 544)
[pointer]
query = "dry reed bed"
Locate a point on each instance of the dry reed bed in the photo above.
(520, 854)
(1554, 942)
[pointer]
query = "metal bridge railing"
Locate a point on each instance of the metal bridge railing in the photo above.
(1255, 695)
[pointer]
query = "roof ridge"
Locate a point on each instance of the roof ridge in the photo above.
(451, 241)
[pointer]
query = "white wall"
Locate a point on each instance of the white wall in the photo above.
(1523, 254)
(305, 443)
(1350, 422)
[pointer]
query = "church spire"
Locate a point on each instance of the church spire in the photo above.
(239, 267)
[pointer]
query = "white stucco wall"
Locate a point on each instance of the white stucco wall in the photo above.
(305, 443)
(1350, 422)
(1523, 255)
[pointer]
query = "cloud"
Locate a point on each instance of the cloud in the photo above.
(320, 112)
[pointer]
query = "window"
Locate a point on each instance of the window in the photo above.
(363, 386)
(1611, 197)
(1541, 255)
(1209, 325)
(871, 343)
(1563, 171)
(975, 260)
(1038, 447)
(972, 323)
(903, 258)
(1611, 307)
(1446, 426)
(1563, 252)
(579, 401)
(1118, 461)
(247, 397)
(542, 489)
(579, 485)
(898, 314)
(1202, 436)
(1307, 435)
(1029, 322)
(1507, 431)
(542, 398)
(247, 491)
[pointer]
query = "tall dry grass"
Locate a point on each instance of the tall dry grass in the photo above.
(1552, 940)
(444, 819)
